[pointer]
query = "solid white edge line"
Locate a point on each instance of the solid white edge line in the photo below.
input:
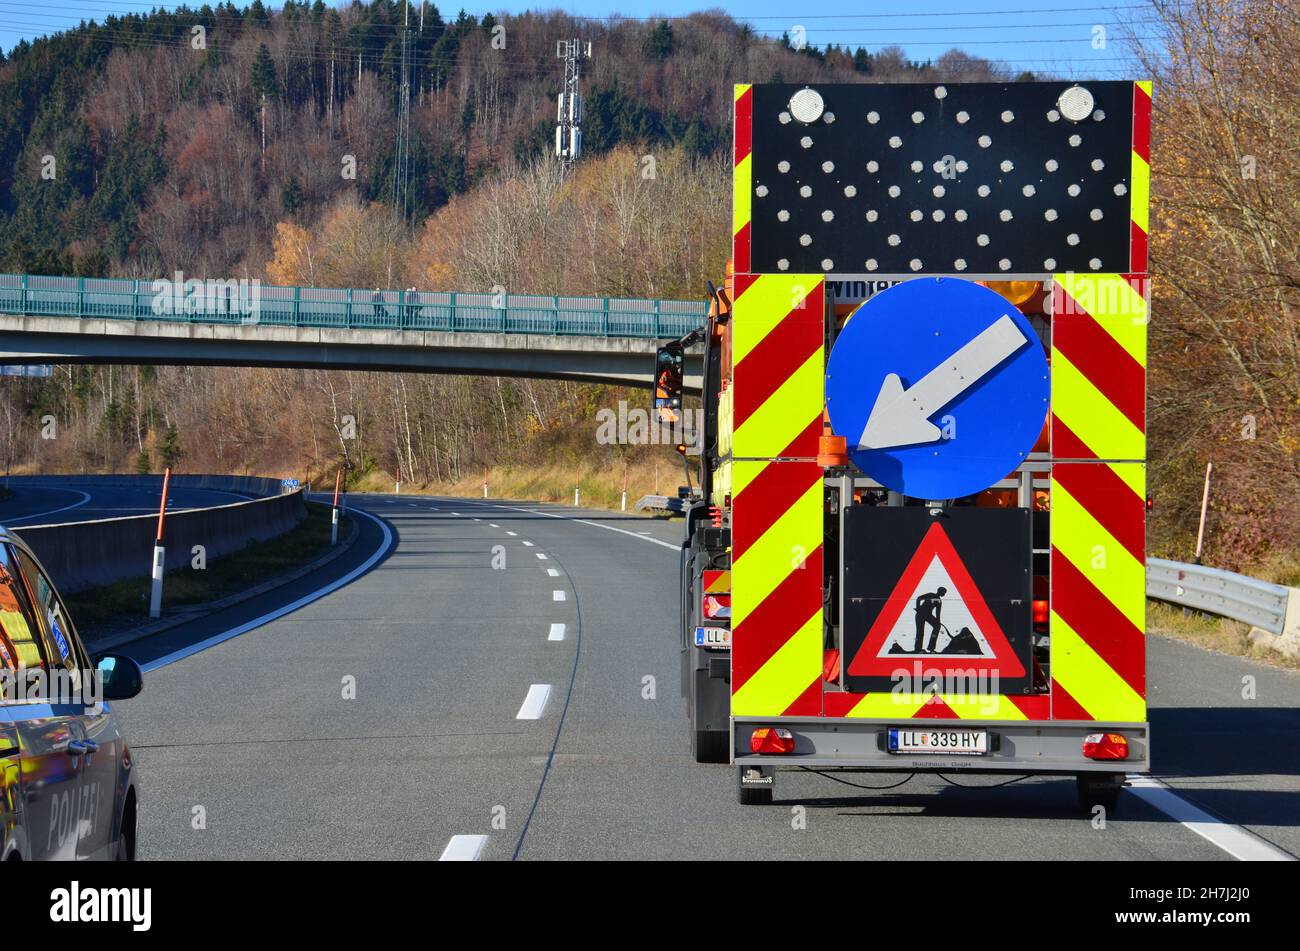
(557, 632)
(85, 497)
(280, 612)
(535, 702)
(463, 848)
(557, 595)
(1238, 842)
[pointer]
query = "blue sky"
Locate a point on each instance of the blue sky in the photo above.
(1043, 35)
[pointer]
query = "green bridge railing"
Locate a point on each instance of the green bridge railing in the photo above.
(248, 302)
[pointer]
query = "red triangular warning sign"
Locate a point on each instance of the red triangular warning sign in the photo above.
(935, 614)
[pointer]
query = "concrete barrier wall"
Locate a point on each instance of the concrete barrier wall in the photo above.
(82, 555)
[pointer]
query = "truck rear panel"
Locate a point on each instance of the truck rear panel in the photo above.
(789, 661)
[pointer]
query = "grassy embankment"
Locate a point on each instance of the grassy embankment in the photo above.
(599, 488)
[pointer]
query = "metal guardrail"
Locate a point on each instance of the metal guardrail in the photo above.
(245, 302)
(1215, 591)
(660, 503)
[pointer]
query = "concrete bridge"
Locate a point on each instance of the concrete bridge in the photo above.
(241, 323)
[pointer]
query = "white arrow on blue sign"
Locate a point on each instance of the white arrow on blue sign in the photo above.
(940, 387)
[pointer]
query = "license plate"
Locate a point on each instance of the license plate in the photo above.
(713, 637)
(959, 742)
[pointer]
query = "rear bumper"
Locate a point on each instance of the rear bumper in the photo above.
(1016, 746)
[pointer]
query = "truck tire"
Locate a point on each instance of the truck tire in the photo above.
(711, 746)
(752, 795)
(1099, 789)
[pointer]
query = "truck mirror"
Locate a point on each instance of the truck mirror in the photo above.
(669, 362)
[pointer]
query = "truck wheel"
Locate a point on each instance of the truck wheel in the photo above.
(753, 795)
(711, 746)
(1099, 790)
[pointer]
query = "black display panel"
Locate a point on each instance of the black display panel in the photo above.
(925, 178)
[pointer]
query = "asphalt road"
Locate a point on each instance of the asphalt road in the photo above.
(52, 504)
(383, 721)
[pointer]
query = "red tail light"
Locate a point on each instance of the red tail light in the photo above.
(1105, 746)
(717, 606)
(770, 739)
(1040, 612)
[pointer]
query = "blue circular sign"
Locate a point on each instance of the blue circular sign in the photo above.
(939, 386)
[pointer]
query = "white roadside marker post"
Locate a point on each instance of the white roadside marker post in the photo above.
(159, 552)
(334, 518)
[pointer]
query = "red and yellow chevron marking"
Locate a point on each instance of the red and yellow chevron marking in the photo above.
(1099, 355)
(1098, 591)
(890, 706)
(743, 177)
(779, 366)
(776, 588)
(716, 582)
(1140, 178)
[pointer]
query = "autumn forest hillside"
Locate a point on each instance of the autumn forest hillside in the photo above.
(254, 143)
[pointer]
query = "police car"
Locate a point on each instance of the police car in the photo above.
(67, 781)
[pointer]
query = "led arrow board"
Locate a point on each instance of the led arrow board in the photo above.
(939, 386)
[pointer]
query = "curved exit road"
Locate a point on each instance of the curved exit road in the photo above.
(50, 503)
(437, 705)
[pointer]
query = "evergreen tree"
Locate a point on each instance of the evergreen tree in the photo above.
(169, 450)
(262, 75)
(658, 43)
(291, 195)
(263, 82)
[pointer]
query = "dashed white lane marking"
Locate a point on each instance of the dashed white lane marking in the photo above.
(1236, 841)
(535, 702)
(493, 525)
(584, 521)
(463, 848)
(457, 514)
(553, 572)
(528, 544)
(540, 555)
(557, 595)
(557, 632)
(513, 534)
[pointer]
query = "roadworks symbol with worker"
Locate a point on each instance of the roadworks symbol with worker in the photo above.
(938, 621)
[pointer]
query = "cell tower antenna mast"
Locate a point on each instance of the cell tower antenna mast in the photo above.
(402, 153)
(568, 117)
